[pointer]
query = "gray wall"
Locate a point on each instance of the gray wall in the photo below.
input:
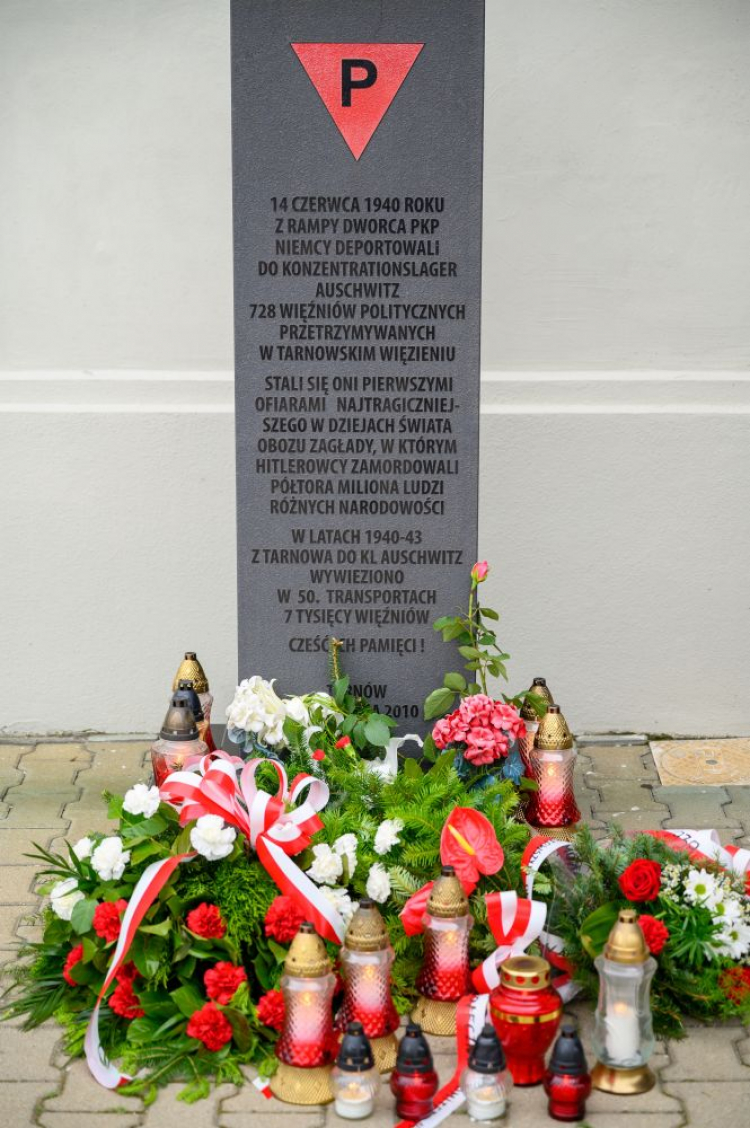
(615, 481)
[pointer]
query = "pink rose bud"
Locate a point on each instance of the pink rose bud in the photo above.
(479, 571)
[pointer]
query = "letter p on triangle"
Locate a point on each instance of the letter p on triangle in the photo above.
(357, 82)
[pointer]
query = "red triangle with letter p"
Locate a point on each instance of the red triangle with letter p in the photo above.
(357, 82)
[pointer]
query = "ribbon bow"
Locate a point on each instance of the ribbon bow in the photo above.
(274, 825)
(515, 923)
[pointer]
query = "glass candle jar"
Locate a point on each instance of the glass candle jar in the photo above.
(366, 960)
(567, 1081)
(355, 1078)
(305, 1047)
(526, 1013)
(485, 1082)
(414, 1081)
(553, 759)
(531, 719)
(445, 974)
(623, 1030)
(178, 744)
(191, 669)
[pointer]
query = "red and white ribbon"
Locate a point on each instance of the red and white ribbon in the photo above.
(471, 1016)
(150, 884)
(515, 923)
(276, 826)
(704, 845)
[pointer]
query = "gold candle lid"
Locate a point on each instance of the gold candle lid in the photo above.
(191, 670)
(447, 897)
(553, 730)
(525, 973)
(626, 943)
(539, 688)
(307, 957)
(367, 931)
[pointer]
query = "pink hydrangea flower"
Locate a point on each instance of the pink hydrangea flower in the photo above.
(484, 726)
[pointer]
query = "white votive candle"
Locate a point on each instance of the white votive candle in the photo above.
(623, 1033)
(486, 1104)
(354, 1102)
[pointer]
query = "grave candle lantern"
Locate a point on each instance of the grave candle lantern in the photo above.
(623, 1032)
(366, 959)
(178, 742)
(414, 1081)
(525, 1010)
(567, 1081)
(552, 806)
(445, 975)
(190, 669)
(355, 1077)
(531, 719)
(305, 1048)
(486, 1083)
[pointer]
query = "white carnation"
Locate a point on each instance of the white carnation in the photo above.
(109, 859)
(327, 867)
(83, 848)
(258, 709)
(346, 847)
(378, 883)
(341, 901)
(387, 835)
(211, 838)
(64, 898)
(141, 800)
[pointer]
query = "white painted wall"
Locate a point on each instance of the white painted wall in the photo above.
(615, 445)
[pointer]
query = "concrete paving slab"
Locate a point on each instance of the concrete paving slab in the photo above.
(80, 1093)
(697, 808)
(21, 1101)
(168, 1112)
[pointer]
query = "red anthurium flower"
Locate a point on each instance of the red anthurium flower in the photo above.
(470, 845)
(413, 911)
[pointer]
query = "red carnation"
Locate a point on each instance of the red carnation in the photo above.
(125, 1002)
(75, 955)
(343, 742)
(655, 932)
(641, 881)
(735, 983)
(271, 1009)
(108, 919)
(283, 920)
(205, 921)
(211, 1027)
(127, 973)
(222, 980)
(318, 754)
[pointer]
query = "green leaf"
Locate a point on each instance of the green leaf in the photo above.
(240, 1029)
(187, 999)
(488, 613)
(83, 916)
(441, 623)
(597, 927)
(438, 702)
(453, 631)
(340, 689)
(412, 769)
(429, 750)
(469, 652)
(377, 731)
(146, 850)
(162, 929)
(456, 682)
(280, 953)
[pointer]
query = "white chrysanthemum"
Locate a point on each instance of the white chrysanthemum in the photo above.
(83, 848)
(341, 901)
(327, 866)
(346, 848)
(734, 940)
(727, 911)
(700, 887)
(378, 883)
(109, 859)
(211, 838)
(387, 835)
(258, 709)
(141, 800)
(64, 898)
